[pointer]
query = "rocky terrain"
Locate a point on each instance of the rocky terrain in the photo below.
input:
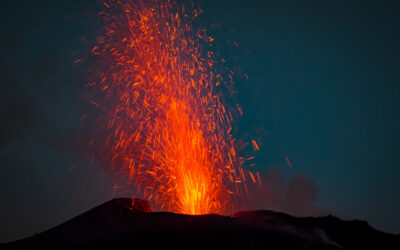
(126, 223)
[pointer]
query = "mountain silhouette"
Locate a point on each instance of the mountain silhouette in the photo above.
(128, 223)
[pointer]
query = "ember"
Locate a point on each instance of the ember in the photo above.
(157, 90)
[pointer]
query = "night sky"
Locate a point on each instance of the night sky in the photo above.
(323, 94)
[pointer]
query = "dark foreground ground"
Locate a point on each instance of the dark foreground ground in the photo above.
(114, 225)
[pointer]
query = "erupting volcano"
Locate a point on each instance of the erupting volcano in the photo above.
(163, 96)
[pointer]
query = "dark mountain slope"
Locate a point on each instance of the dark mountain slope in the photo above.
(119, 225)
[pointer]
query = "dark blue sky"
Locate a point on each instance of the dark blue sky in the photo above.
(323, 90)
(324, 85)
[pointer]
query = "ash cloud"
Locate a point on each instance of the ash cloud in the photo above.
(295, 195)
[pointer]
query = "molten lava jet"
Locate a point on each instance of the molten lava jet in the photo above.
(161, 99)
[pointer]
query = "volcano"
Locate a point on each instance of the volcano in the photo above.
(129, 222)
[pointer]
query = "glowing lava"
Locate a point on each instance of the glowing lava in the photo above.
(161, 99)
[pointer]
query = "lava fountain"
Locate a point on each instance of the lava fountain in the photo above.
(162, 103)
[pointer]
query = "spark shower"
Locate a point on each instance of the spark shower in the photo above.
(162, 93)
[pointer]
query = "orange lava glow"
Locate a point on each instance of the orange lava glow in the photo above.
(161, 99)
